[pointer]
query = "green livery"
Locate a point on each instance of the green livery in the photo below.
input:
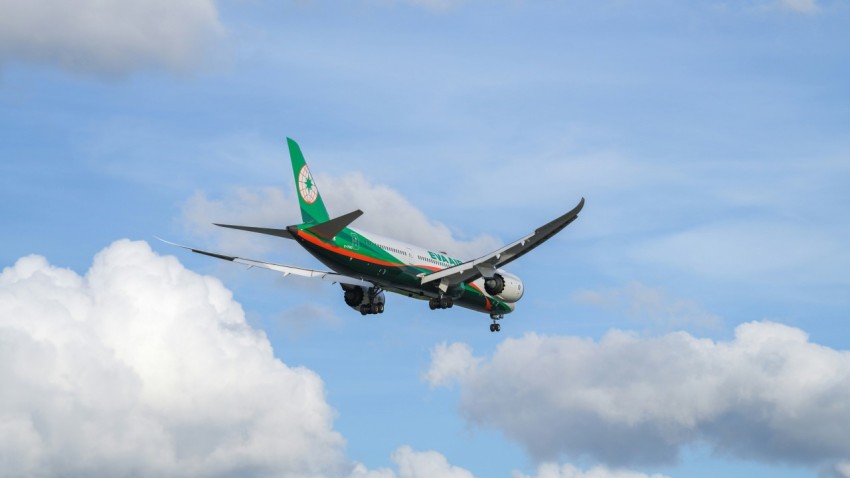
(366, 265)
(312, 207)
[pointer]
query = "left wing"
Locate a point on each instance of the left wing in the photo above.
(286, 270)
(486, 266)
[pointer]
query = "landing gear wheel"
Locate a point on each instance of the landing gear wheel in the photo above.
(496, 327)
(441, 302)
(380, 308)
(364, 309)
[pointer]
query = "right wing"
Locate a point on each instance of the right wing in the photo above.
(286, 270)
(486, 265)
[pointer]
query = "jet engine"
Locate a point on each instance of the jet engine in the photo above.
(504, 286)
(366, 300)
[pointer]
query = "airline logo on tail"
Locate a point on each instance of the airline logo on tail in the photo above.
(306, 187)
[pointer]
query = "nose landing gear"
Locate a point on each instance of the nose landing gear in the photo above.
(496, 327)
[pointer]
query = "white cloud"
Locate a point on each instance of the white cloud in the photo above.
(414, 464)
(768, 394)
(112, 37)
(552, 470)
(389, 213)
(386, 212)
(651, 306)
(425, 464)
(448, 362)
(142, 367)
(261, 207)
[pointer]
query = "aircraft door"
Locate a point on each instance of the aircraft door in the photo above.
(409, 257)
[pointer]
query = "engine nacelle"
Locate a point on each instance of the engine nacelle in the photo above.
(505, 286)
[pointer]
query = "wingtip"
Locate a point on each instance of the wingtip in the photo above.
(579, 206)
(172, 243)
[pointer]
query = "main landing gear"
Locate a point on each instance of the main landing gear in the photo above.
(495, 327)
(441, 302)
(366, 300)
(372, 309)
(375, 304)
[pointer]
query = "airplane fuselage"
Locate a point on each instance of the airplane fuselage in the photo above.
(398, 267)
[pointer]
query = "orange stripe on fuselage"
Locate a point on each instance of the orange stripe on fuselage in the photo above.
(339, 250)
(487, 304)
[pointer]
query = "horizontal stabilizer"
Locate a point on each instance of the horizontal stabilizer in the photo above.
(327, 230)
(261, 230)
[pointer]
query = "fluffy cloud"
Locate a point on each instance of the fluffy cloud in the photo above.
(552, 470)
(264, 207)
(413, 464)
(449, 362)
(387, 212)
(768, 394)
(113, 37)
(144, 368)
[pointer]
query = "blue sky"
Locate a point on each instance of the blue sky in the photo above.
(706, 277)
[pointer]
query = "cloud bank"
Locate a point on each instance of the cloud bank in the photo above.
(768, 394)
(413, 464)
(553, 470)
(108, 37)
(144, 368)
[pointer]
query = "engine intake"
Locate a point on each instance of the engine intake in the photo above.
(494, 285)
(504, 286)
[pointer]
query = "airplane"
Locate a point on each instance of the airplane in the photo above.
(366, 264)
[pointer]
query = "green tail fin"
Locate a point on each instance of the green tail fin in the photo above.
(312, 207)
